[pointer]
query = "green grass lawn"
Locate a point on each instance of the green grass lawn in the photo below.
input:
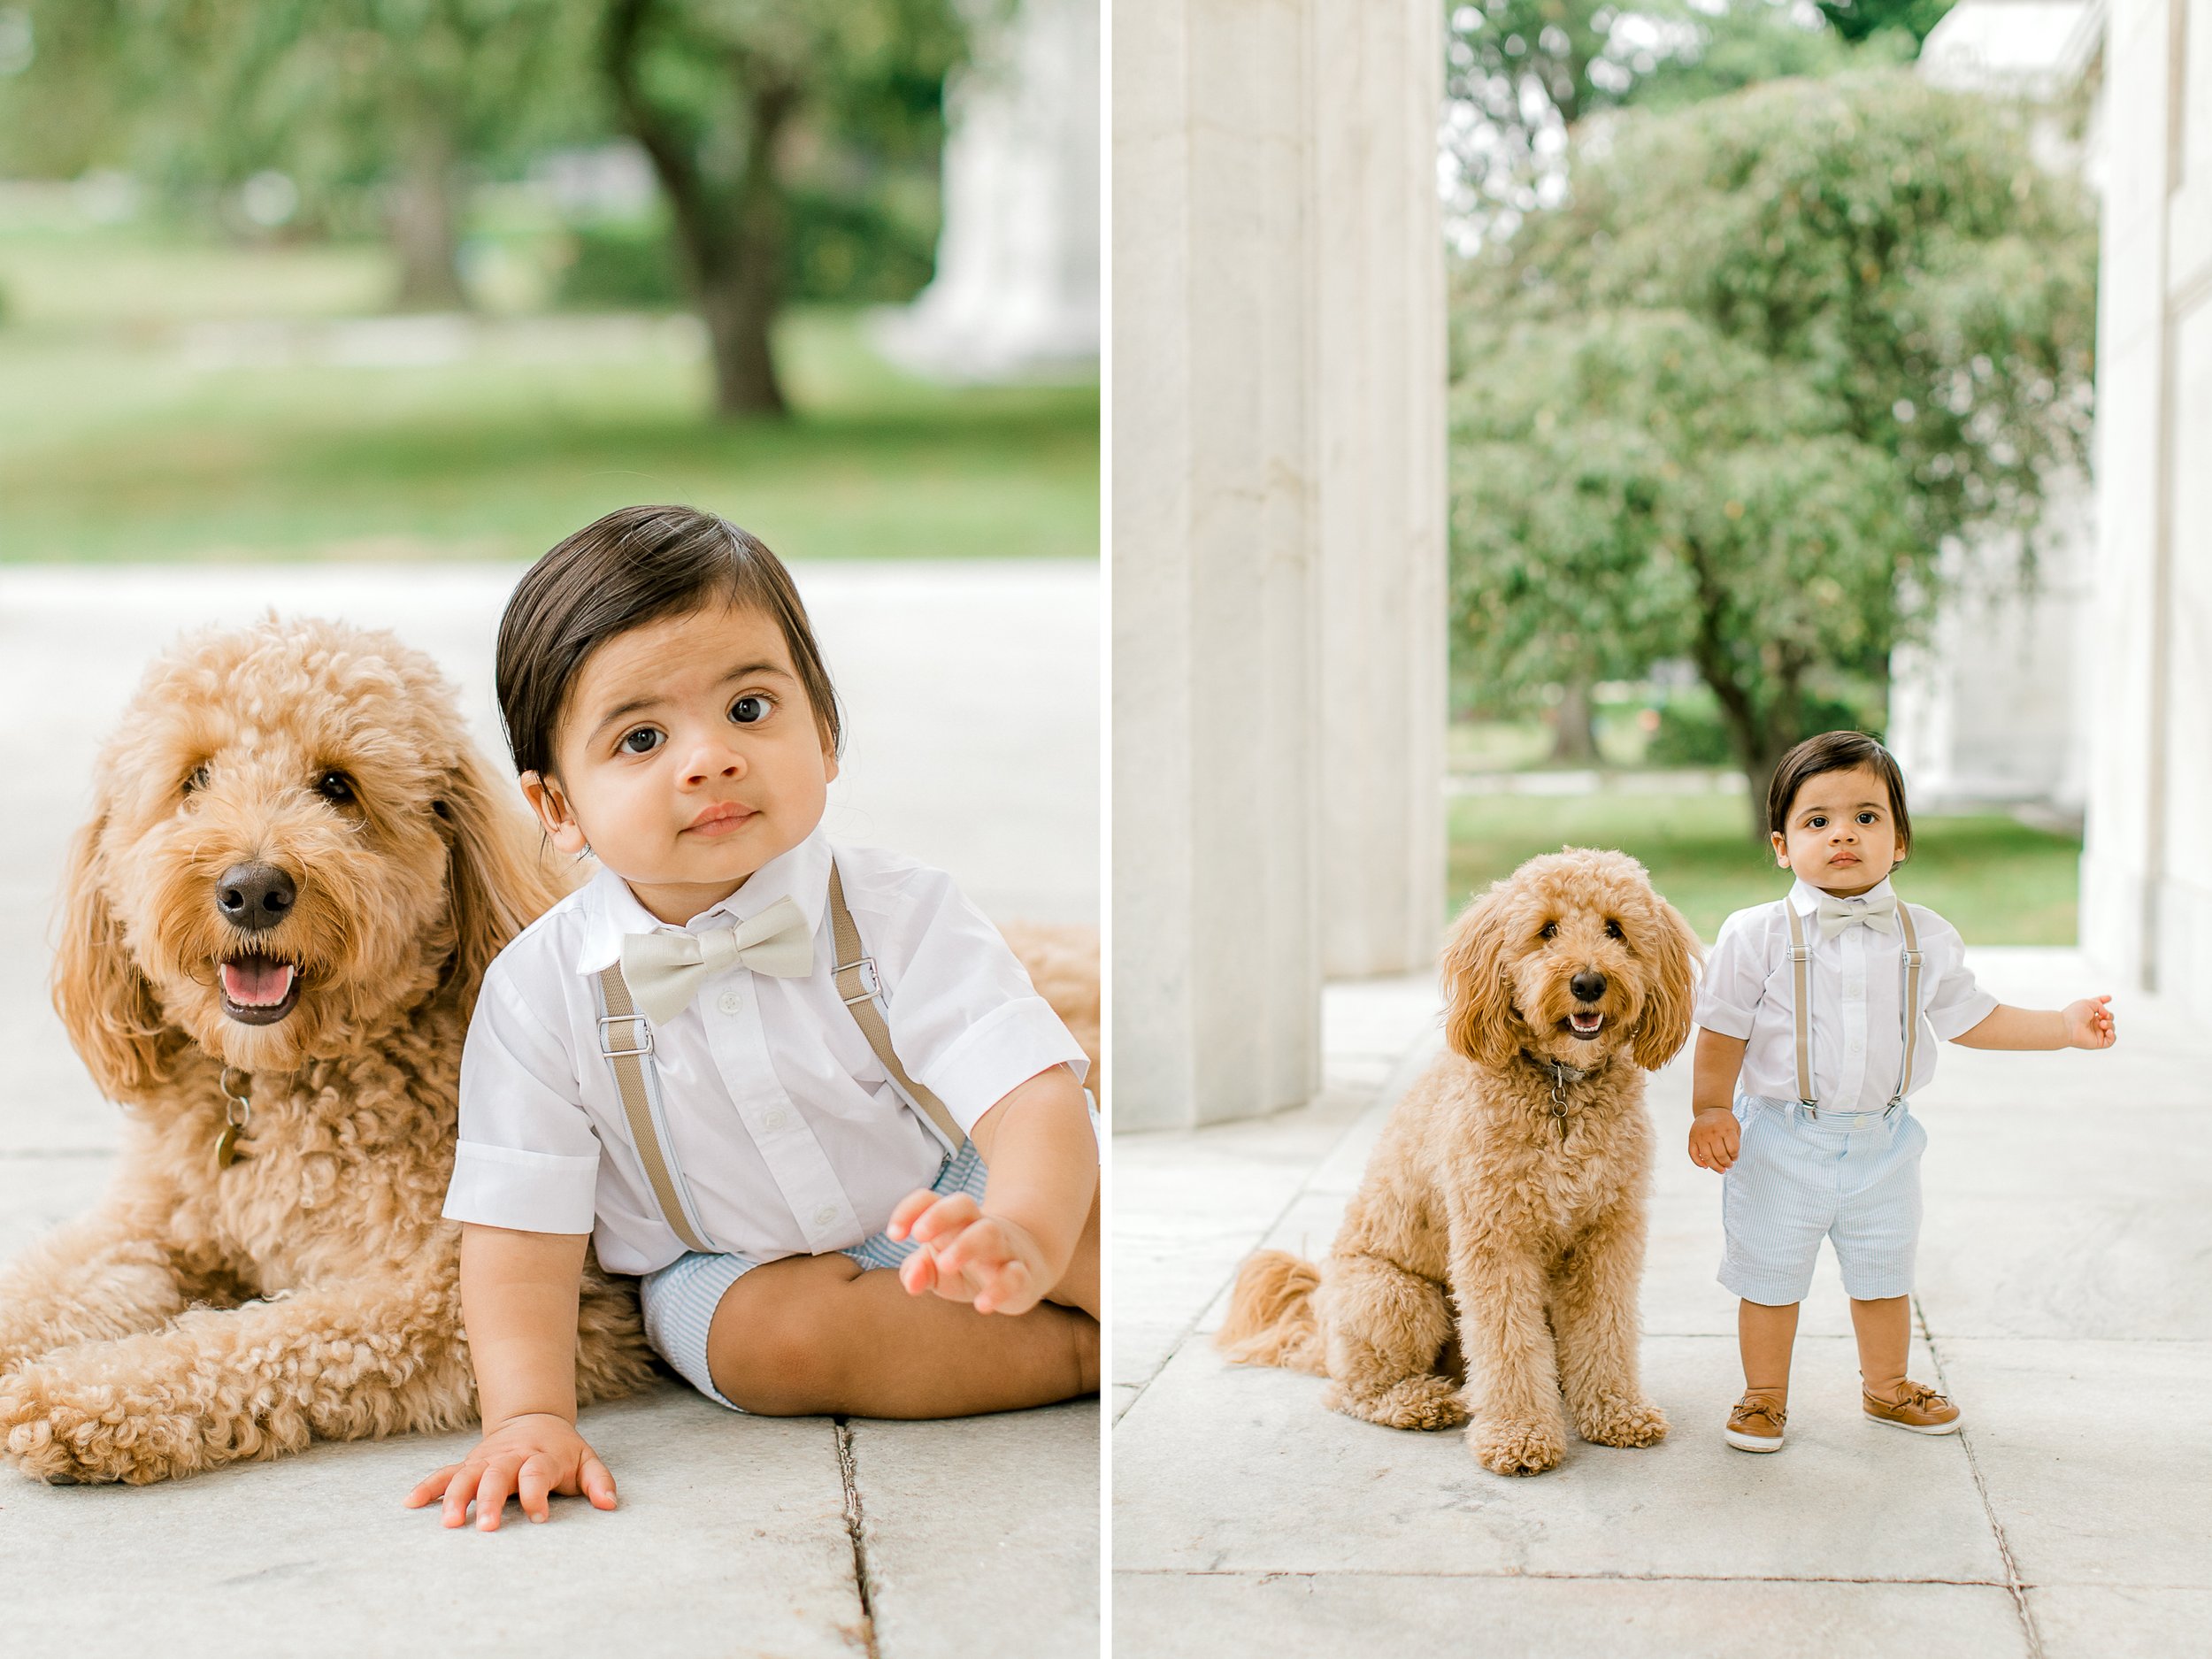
(114, 445)
(1997, 881)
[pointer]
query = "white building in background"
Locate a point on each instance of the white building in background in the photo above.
(1017, 289)
(1989, 709)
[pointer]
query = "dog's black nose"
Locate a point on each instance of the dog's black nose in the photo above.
(1589, 984)
(255, 896)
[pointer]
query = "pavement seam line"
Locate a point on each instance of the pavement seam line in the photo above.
(1391, 1087)
(2014, 1585)
(1546, 1576)
(848, 1473)
(1553, 1576)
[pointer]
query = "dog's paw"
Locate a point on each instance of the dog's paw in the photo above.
(1613, 1421)
(62, 1439)
(1507, 1447)
(1417, 1402)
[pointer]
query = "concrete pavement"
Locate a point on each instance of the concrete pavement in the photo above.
(2065, 1300)
(971, 693)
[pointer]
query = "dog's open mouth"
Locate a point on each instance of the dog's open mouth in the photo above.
(259, 990)
(1585, 1024)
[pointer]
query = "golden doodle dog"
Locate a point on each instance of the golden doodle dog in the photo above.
(272, 933)
(1488, 1264)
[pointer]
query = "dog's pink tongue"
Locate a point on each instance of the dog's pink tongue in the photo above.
(256, 982)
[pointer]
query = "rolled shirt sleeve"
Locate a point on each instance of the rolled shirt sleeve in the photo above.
(1955, 1003)
(964, 1019)
(528, 1157)
(1735, 979)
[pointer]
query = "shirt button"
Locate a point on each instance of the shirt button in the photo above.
(773, 1120)
(730, 1002)
(827, 1214)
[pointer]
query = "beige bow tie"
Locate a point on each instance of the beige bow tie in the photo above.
(1879, 914)
(664, 970)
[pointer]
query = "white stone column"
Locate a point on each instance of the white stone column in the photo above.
(2146, 867)
(1379, 372)
(1233, 155)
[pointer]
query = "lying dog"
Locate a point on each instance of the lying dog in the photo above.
(1500, 1226)
(272, 933)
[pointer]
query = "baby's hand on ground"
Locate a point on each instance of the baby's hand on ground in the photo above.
(2089, 1024)
(529, 1457)
(1714, 1138)
(969, 1257)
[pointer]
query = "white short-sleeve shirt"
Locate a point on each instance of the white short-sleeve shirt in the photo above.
(1858, 1040)
(782, 1127)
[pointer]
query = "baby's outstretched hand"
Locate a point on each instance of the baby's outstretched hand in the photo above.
(966, 1255)
(528, 1458)
(1715, 1136)
(2089, 1024)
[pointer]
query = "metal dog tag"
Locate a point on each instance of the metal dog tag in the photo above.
(237, 1113)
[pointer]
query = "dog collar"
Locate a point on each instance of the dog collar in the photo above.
(1559, 1072)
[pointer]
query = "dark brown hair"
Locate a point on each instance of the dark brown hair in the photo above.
(1836, 751)
(635, 566)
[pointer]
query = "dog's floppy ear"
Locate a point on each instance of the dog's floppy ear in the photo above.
(1479, 1021)
(105, 1003)
(1666, 1024)
(499, 879)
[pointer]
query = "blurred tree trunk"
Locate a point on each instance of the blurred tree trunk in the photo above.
(1574, 738)
(733, 231)
(424, 219)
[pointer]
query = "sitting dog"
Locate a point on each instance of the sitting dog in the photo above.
(1489, 1261)
(272, 933)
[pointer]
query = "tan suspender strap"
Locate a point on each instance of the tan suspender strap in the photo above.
(629, 1078)
(1908, 998)
(855, 976)
(1801, 1003)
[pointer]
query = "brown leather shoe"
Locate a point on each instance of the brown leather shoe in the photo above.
(1755, 1425)
(1918, 1411)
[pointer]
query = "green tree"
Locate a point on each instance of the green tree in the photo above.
(742, 105)
(1727, 403)
(1519, 74)
(414, 95)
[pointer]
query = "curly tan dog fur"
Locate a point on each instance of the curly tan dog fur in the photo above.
(1502, 1215)
(205, 1314)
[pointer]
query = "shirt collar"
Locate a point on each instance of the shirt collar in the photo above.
(611, 910)
(1805, 898)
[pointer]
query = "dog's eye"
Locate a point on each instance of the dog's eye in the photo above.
(335, 787)
(1613, 929)
(197, 780)
(1550, 930)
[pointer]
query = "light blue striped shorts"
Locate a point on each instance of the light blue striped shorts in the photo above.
(1853, 1177)
(681, 1299)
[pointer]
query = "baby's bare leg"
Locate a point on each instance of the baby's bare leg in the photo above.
(1766, 1335)
(818, 1334)
(1885, 1333)
(1078, 1286)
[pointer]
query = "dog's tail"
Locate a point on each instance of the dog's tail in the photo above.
(1271, 1319)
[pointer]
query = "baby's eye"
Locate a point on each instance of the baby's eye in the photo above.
(1819, 820)
(1867, 817)
(750, 710)
(641, 739)
(1613, 929)
(1550, 930)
